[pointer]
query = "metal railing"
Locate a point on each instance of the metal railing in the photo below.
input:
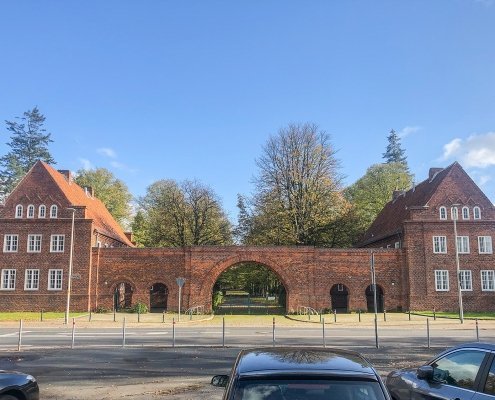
(196, 310)
(304, 310)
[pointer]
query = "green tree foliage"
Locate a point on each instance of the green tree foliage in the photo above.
(297, 196)
(185, 214)
(28, 143)
(394, 153)
(370, 193)
(110, 190)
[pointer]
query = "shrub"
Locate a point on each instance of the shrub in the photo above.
(101, 310)
(217, 298)
(139, 307)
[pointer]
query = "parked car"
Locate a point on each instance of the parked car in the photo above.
(18, 386)
(462, 372)
(301, 373)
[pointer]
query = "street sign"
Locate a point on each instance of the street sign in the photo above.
(180, 281)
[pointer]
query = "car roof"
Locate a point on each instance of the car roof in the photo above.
(471, 345)
(315, 361)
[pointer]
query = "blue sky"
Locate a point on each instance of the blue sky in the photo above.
(193, 89)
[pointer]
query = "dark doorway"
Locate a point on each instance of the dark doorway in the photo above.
(339, 295)
(379, 298)
(122, 297)
(158, 297)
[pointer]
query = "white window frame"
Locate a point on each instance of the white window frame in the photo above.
(397, 245)
(19, 211)
(454, 213)
(53, 211)
(462, 243)
(442, 280)
(443, 212)
(55, 276)
(55, 243)
(8, 246)
(466, 280)
(35, 240)
(438, 241)
(30, 211)
(465, 212)
(485, 245)
(488, 280)
(32, 279)
(42, 211)
(476, 212)
(8, 279)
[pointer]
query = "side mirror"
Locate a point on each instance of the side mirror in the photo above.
(220, 380)
(425, 372)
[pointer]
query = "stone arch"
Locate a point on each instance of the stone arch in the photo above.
(159, 293)
(370, 298)
(216, 270)
(122, 290)
(339, 298)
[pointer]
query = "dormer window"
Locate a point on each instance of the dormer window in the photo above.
(30, 211)
(53, 211)
(476, 213)
(454, 213)
(465, 213)
(42, 211)
(443, 213)
(18, 211)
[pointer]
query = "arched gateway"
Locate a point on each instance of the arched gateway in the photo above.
(306, 273)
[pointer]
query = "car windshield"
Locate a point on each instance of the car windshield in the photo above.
(307, 389)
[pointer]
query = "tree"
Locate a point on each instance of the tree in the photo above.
(110, 190)
(185, 214)
(296, 189)
(394, 153)
(371, 192)
(28, 144)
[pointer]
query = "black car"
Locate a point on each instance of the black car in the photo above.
(18, 386)
(301, 373)
(462, 372)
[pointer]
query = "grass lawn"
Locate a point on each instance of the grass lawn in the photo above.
(35, 316)
(454, 315)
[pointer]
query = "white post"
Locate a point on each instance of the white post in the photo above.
(454, 216)
(71, 254)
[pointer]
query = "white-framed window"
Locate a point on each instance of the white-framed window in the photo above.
(485, 244)
(34, 244)
(42, 211)
(397, 245)
(440, 244)
(442, 280)
(57, 243)
(53, 211)
(443, 212)
(10, 243)
(8, 279)
(465, 212)
(466, 280)
(32, 279)
(463, 244)
(30, 211)
(488, 280)
(55, 279)
(454, 213)
(18, 211)
(477, 212)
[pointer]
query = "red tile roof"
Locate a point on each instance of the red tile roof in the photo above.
(95, 209)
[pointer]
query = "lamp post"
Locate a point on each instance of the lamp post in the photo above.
(71, 254)
(454, 212)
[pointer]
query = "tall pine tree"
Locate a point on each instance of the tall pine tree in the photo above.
(28, 144)
(394, 153)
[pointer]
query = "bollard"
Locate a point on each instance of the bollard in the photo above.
(428, 331)
(173, 332)
(19, 343)
(477, 331)
(434, 314)
(163, 316)
(409, 314)
(384, 315)
(223, 331)
(123, 333)
(89, 315)
(334, 315)
(41, 315)
(139, 315)
(273, 332)
(324, 340)
(376, 332)
(114, 315)
(359, 312)
(73, 332)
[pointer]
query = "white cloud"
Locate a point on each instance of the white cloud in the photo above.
(408, 130)
(123, 167)
(86, 164)
(452, 148)
(106, 151)
(484, 179)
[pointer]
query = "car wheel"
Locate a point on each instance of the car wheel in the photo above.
(8, 397)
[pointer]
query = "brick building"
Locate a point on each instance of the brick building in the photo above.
(412, 241)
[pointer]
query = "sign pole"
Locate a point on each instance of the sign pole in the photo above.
(180, 283)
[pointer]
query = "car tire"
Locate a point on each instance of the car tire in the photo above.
(8, 397)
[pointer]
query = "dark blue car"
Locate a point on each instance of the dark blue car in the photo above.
(301, 374)
(465, 372)
(18, 386)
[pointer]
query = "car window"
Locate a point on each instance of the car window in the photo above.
(459, 368)
(490, 380)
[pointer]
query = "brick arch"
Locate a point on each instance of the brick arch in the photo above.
(112, 285)
(214, 273)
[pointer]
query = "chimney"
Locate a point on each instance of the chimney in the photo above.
(67, 174)
(397, 193)
(89, 191)
(433, 172)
